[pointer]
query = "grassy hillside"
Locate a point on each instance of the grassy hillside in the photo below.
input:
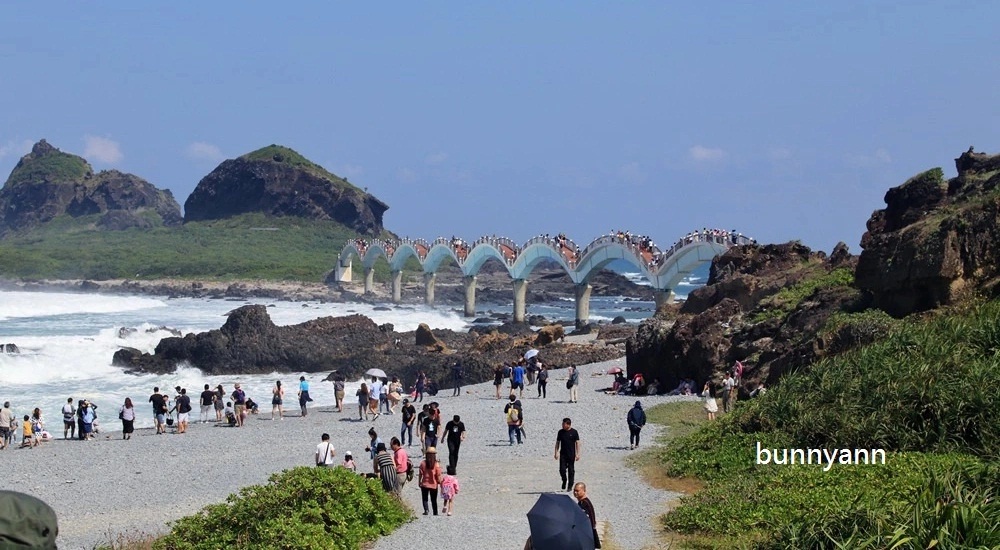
(251, 246)
(927, 394)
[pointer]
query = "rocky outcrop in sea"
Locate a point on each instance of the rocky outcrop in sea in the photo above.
(249, 342)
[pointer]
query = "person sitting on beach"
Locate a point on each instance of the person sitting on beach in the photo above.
(230, 414)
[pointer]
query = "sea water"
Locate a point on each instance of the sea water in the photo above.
(67, 341)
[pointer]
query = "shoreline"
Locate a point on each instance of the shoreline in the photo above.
(208, 463)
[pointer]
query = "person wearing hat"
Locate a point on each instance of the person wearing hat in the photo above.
(430, 479)
(409, 413)
(240, 404)
(636, 419)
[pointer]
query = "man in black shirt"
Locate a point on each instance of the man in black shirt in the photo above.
(567, 453)
(432, 424)
(409, 415)
(183, 406)
(159, 410)
(455, 430)
(207, 401)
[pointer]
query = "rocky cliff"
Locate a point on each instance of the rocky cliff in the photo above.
(47, 183)
(766, 305)
(277, 181)
(935, 239)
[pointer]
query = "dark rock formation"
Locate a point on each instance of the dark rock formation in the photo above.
(9, 348)
(719, 323)
(935, 240)
(277, 181)
(250, 343)
(47, 183)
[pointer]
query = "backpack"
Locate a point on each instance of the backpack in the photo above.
(409, 470)
(513, 415)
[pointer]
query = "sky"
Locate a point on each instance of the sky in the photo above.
(783, 120)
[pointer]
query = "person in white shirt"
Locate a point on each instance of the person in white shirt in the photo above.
(325, 453)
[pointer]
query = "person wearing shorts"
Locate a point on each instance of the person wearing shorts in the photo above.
(69, 420)
(240, 404)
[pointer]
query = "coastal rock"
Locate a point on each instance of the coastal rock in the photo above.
(732, 318)
(48, 183)
(424, 337)
(250, 343)
(277, 181)
(549, 335)
(9, 348)
(936, 240)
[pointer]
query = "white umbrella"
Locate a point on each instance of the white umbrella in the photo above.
(378, 373)
(530, 353)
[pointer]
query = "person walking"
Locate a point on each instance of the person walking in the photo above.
(402, 461)
(517, 379)
(572, 384)
(385, 468)
(498, 379)
(277, 398)
(455, 435)
(362, 394)
(431, 427)
(409, 416)
(206, 400)
(325, 452)
(303, 395)
(69, 420)
(430, 479)
(127, 416)
(449, 490)
(513, 418)
(636, 419)
(159, 402)
(567, 453)
(420, 386)
(338, 391)
(6, 419)
(374, 390)
(456, 378)
(183, 406)
(580, 492)
(543, 381)
(728, 389)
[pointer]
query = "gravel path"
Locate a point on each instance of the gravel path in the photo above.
(104, 487)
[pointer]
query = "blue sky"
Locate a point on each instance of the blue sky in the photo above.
(782, 119)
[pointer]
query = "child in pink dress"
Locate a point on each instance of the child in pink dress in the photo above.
(449, 489)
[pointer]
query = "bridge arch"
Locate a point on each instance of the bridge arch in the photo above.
(663, 268)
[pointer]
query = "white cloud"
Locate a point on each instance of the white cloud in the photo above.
(405, 175)
(15, 148)
(700, 153)
(878, 157)
(201, 150)
(631, 173)
(436, 158)
(102, 150)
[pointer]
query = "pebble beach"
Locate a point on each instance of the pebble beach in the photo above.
(108, 486)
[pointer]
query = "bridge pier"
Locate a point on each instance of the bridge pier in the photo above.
(520, 296)
(369, 280)
(582, 304)
(397, 286)
(664, 296)
(470, 295)
(429, 279)
(343, 274)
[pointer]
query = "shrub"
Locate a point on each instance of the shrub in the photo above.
(301, 508)
(787, 299)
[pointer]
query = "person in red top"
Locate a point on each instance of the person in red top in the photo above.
(402, 461)
(430, 479)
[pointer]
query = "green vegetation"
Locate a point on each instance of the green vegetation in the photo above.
(285, 155)
(252, 246)
(787, 299)
(302, 508)
(926, 393)
(53, 167)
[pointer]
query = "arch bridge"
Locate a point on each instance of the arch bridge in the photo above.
(664, 269)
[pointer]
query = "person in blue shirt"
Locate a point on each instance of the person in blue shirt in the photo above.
(517, 380)
(303, 394)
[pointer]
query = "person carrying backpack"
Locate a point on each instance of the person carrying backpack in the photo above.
(636, 419)
(513, 416)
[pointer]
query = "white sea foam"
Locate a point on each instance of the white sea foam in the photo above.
(42, 304)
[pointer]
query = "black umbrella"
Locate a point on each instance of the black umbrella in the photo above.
(558, 523)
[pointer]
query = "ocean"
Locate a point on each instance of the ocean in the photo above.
(67, 341)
